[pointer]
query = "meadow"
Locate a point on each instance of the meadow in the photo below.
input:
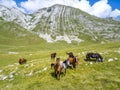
(37, 74)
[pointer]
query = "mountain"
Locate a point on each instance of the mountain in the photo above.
(66, 23)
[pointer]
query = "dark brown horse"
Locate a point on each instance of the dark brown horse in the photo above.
(97, 56)
(70, 54)
(22, 61)
(59, 68)
(53, 55)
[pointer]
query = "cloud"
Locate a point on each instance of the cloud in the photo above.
(8, 3)
(33, 5)
(83, 5)
(115, 13)
(100, 9)
(11, 4)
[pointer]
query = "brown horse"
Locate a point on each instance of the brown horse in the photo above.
(22, 61)
(73, 61)
(53, 56)
(59, 68)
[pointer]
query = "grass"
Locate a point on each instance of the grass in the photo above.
(37, 74)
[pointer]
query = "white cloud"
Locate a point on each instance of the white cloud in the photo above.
(11, 4)
(100, 9)
(34, 5)
(115, 13)
(8, 3)
(83, 5)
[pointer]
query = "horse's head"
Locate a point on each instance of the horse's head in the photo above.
(70, 54)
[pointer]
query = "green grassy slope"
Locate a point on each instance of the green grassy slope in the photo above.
(13, 34)
(36, 74)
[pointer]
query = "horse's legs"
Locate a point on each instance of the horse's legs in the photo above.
(65, 72)
(58, 75)
(99, 59)
(87, 57)
(55, 73)
(74, 66)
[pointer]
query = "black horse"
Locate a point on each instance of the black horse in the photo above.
(97, 56)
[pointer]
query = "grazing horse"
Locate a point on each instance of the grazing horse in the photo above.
(53, 55)
(73, 61)
(59, 68)
(97, 56)
(22, 61)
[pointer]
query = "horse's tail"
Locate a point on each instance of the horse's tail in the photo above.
(52, 64)
(20, 61)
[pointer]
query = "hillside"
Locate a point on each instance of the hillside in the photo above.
(37, 74)
(13, 34)
(61, 22)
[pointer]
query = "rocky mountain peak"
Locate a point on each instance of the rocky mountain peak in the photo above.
(61, 22)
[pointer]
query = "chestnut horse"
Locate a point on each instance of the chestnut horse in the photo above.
(59, 67)
(73, 61)
(22, 61)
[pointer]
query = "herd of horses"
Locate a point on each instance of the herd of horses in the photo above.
(61, 66)
(72, 61)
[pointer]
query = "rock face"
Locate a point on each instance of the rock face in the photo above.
(61, 22)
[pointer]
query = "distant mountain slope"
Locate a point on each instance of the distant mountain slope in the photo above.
(13, 34)
(61, 22)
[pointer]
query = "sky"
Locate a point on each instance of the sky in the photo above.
(99, 8)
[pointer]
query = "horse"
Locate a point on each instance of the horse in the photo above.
(72, 61)
(59, 68)
(70, 54)
(97, 56)
(53, 56)
(22, 61)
